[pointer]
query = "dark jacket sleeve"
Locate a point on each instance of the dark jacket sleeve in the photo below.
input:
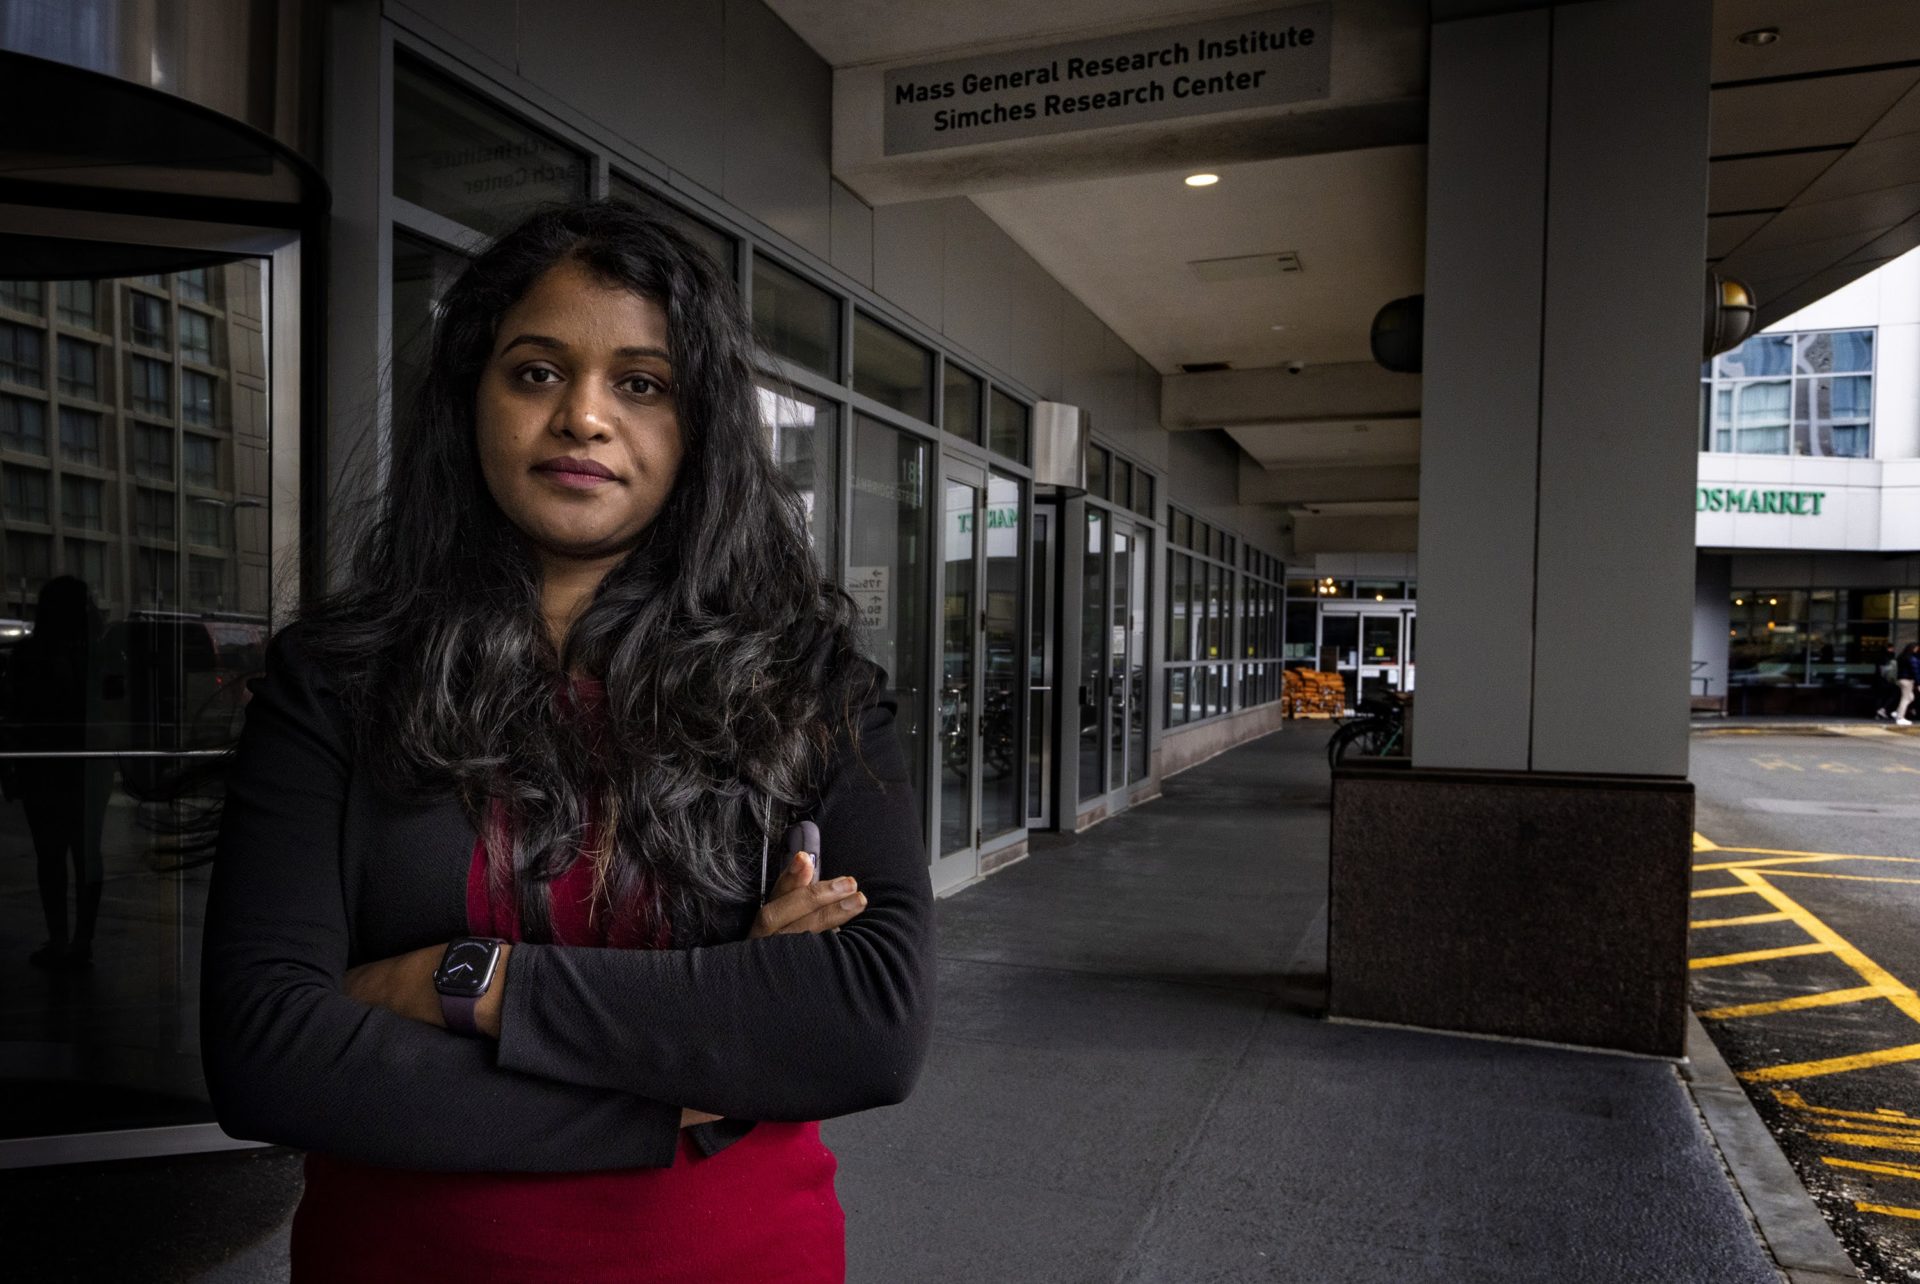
(785, 1028)
(289, 1057)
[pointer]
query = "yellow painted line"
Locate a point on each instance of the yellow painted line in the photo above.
(1768, 860)
(1852, 878)
(1744, 919)
(1705, 892)
(1885, 1114)
(1701, 843)
(1868, 1142)
(1891, 1210)
(1825, 999)
(1897, 993)
(1835, 1065)
(1760, 956)
(1884, 1170)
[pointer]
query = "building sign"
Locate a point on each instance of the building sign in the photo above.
(1255, 60)
(1733, 499)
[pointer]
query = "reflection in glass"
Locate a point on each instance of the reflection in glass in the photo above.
(115, 643)
(422, 274)
(887, 569)
(1040, 702)
(1000, 738)
(800, 437)
(891, 368)
(1179, 637)
(466, 159)
(1097, 472)
(1138, 604)
(724, 250)
(958, 632)
(796, 320)
(1010, 432)
(1093, 653)
(1119, 680)
(960, 403)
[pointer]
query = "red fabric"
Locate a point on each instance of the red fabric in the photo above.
(762, 1211)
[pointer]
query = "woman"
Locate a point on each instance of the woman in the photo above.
(1906, 675)
(581, 488)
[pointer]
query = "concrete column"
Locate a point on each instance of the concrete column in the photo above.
(1712, 584)
(1528, 876)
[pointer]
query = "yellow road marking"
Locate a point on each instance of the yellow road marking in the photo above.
(1868, 1142)
(1885, 1114)
(1884, 1170)
(1723, 891)
(1898, 994)
(1852, 878)
(1767, 860)
(1825, 999)
(1701, 843)
(1891, 1210)
(1837, 1065)
(1759, 956)
(1741, 921)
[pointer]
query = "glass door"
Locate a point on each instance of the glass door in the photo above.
(962, 648)
(1372, 650)
(149, 428)
(1113, 644)
(1042, 602)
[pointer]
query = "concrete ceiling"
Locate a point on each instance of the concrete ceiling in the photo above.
(1815, 180)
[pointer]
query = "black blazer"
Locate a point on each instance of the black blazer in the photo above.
(318, 870)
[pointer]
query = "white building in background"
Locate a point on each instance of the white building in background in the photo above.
(1808, 504)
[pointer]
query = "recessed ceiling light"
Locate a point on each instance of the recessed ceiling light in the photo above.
(1759, 36)
(1202, 180)
(1279, 327)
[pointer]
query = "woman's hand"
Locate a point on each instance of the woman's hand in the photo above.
(799, 904)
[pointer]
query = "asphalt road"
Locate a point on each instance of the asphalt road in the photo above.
(1806, 955)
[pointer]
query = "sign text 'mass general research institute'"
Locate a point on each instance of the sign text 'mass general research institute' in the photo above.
(1255, 60)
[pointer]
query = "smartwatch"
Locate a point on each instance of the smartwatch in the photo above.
(465, 972)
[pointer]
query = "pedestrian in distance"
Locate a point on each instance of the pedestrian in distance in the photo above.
(493, 932)
(1906, 676)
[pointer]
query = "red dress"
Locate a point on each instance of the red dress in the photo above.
(761, 1211)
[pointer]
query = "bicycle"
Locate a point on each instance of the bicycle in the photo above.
(1377, 730)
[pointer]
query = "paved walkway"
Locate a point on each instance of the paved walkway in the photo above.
(1127, 1085)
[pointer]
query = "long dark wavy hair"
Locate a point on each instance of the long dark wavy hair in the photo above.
(728, 660)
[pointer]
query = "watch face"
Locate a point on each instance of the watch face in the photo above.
(466, 968)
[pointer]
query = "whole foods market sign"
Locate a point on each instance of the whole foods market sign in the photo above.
(1254, 60)
(1730, 499)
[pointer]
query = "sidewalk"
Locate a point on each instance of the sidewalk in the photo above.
(1126, 1086)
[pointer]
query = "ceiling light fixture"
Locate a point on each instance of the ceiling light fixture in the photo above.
(1759, 36)
(1202, 180)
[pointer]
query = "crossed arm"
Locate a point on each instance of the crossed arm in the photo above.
(599, 1050)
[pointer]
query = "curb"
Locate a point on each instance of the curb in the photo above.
(1795, 1233)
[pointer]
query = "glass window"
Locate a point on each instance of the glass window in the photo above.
(79, 369)
(87, 560)
(29, 563)
(1379, 590)
(201, 458)
(80, 437)
(1094, 644)
(796, 320)
(1143, 493)
(1122, 483)
(149, 386)
(146, 319)
(723, 248)
(83, 503)
(800, 436)
(204, 581)
(74, 304)
(196, 336)
(1763, 354)
(1003, 683)
(26, 495)
(152, 452)
(1179, 640)
(422, 274)
(153, 513)
(960, 402)
(464, 158)
(1097, 458)
(203, 523)
(23, 355)
(891, 368)
(1806, 393)
(1182, 529)
(192, 284)
(1010, 432)
(23, 296)
(197, 397)
(23, 425)
(155, 577)
(887, 571)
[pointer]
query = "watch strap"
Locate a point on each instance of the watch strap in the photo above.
(459, 1012)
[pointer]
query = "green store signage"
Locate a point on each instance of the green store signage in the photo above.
(1724, 499)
